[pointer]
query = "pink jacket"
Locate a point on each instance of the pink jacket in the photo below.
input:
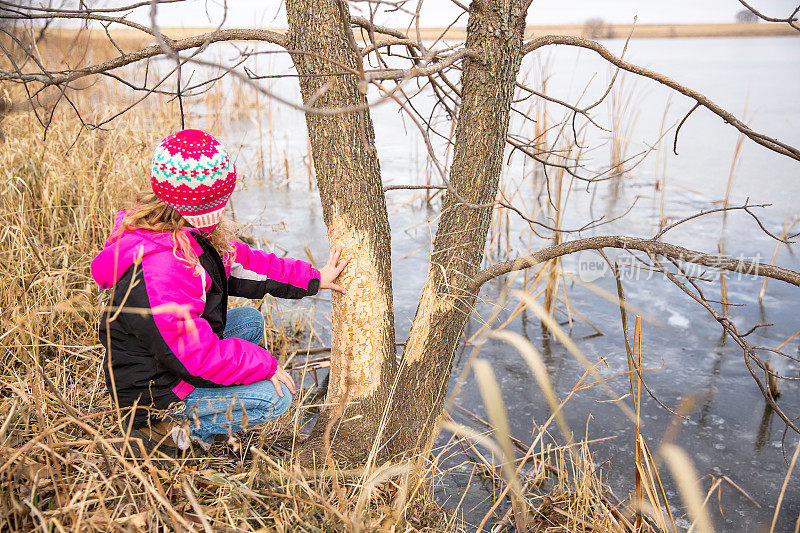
(179, 346)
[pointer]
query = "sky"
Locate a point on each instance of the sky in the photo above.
(437, 13)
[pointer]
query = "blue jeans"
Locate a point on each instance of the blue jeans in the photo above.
(220, 411)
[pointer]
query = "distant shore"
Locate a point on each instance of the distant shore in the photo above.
(595, 30)
(642, 31)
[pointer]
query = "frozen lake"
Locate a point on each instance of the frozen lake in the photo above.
(730, 432)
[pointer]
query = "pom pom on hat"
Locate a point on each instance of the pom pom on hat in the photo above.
(193, 173)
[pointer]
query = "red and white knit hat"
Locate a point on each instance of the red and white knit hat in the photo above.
(193, 173)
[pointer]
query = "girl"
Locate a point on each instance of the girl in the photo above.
(168, 334)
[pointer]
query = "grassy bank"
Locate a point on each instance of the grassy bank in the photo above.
(66, 462)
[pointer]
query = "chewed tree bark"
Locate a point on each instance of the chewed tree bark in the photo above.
(354, 208)
(495, 31)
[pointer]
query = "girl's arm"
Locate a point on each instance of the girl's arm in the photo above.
(255, 273)
(185, 343)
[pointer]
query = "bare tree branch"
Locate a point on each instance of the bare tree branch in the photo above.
(790, 20)
(118, 9)
(643, 245)
(746, 208)
(434, 67)
(367, 25)
(151, 51)
(49, 17)
(768, 142)
(729, 327)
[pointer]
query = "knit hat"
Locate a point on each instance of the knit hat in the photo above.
(193, 173)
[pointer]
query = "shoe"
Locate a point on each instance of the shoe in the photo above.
(159, 436)
(183, 439)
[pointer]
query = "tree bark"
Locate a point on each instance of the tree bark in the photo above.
(495, 33)
(363, 360)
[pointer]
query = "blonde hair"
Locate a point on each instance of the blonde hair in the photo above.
(151, 213)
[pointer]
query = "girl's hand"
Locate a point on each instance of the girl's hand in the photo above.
(282, 376)
(332, 269)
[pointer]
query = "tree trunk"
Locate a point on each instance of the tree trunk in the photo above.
(495, 31)
(363, 355)
(363, 359)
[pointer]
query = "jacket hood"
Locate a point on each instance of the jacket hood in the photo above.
(123, 248)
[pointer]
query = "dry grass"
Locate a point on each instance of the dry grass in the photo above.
(65, 462)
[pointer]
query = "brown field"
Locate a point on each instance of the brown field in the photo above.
(603, 31)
